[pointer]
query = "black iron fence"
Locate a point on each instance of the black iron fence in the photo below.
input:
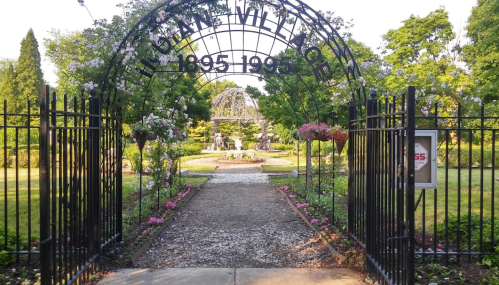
(79, 186)
(381, 190)
(402, 223)
(19, 205)
(458, 219)
(60, 173)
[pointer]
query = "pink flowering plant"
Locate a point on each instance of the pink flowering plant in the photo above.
(331, 231)
(136, 234)
(311, 131)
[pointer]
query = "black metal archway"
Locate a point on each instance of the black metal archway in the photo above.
(213, 38)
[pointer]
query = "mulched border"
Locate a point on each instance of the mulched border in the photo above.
(336, 255)
(136, 256)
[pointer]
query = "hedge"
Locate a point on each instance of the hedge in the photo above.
(34, 160)
(191, 149)
(134, 155)
(452, 158)
(246, 144)
(10, 160)
(21, 147)
(283, 147)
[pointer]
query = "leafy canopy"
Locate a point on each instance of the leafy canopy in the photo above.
(482, 54)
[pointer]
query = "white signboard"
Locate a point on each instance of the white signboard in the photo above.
(425, 159)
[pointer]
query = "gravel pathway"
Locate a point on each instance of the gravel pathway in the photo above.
(237, 220)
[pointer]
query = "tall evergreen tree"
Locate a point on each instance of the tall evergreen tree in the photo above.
(8, 90)
(29, 75)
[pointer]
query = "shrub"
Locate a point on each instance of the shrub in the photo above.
(326, 148)
(21, 147)
(283, 147)
(8, 162)
(191, 149)
(246, 144)
(451, 157)
(279, 146)
(251, 145)
(33, 161)
(5, 258)
(454, 228)
(134, 156)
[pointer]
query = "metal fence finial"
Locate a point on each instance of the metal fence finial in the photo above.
(373, 94)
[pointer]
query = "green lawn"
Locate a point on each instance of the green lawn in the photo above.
(24, 194)
(451, 190)
(284, 168)
(200, 168)
(34, 218)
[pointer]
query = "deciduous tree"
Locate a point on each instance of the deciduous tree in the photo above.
(482, 54)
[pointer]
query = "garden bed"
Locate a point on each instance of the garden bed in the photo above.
(345, 251)
(139, 236)
(240, 161)
(167, 220)
(337, 256)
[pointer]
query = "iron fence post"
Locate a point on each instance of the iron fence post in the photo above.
(298, 158)
(411, 126)
(351, 170)
(44, 181)
(95, 177)
(370, 175)
(119, 173)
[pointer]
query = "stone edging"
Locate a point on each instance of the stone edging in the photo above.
(136, 256)
(336, 255)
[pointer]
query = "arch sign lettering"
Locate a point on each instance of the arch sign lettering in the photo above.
(210, 39)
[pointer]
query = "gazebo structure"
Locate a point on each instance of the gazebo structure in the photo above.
(236, 105)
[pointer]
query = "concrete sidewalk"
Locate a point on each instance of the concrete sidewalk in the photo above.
(234, 276)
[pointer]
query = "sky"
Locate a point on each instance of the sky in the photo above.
(371, 19)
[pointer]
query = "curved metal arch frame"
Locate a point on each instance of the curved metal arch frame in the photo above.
(192, 41)
(257, 76)
(200, 75)
(330, 36)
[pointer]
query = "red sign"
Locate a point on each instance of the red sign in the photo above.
(420, 156)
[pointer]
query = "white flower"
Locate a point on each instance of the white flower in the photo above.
(400, 72)
(362, 81)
